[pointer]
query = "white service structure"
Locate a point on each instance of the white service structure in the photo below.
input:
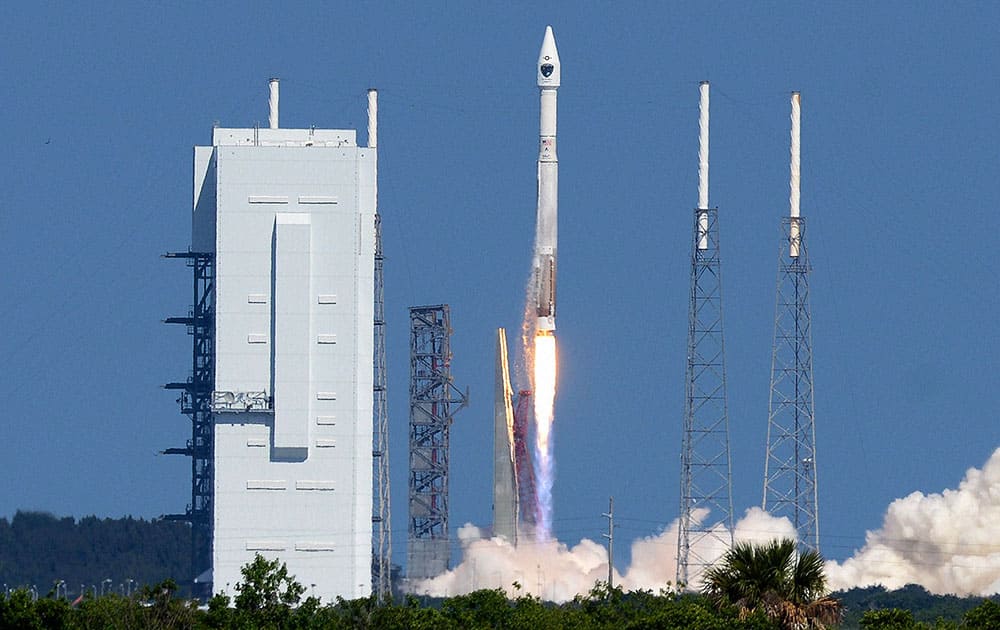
(289, 215)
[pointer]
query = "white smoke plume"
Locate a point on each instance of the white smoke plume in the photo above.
(654, 558)
(556, 572)
(948, 542)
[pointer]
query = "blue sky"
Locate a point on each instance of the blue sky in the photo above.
(899, 162)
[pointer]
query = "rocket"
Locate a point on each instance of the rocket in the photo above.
(544, 263)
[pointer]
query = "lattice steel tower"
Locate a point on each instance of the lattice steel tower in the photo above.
(790, 488)
(381, 513)
(196, 403)
(706, 510)
(432, 396)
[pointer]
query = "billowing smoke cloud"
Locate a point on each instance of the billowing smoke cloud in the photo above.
(947, 542)
(557, 572)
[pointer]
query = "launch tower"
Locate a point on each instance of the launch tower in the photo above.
(432, 396)
(790, 488)
(706, 510)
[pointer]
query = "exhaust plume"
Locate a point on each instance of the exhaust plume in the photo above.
(557, 572)
(945, 542)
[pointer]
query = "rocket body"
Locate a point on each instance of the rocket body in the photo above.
(546, 227)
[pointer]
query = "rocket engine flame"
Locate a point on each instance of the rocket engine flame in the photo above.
(545, 393)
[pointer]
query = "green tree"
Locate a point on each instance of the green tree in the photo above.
(54, 614)
(267, 594)
(984, 616)
(219, 613)
(161, 609)
(109, 611)
(17, 611)
(888, 619)
(479, 609)
(410, 616)
(773, 578)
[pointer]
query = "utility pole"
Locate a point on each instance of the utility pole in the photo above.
(611, 542)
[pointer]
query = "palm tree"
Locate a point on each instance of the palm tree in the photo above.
(788, 587)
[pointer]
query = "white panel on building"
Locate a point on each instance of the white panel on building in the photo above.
(290, 278)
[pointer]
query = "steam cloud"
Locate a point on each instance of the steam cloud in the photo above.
(945, 542)
(557, 572)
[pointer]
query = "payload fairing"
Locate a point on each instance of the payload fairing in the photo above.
(544, 264)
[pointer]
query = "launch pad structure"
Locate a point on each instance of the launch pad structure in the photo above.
(196, 403)
(790, 486)
(381, 510)
(432, 398)
(264, 468)
(381, 514)
(285, 377)
(706, 509)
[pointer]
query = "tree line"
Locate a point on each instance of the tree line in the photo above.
(754, 587)
(41, 552)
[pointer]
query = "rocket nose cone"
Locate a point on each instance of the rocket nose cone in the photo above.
(548, 61)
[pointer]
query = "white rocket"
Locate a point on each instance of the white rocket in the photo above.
(544, 263)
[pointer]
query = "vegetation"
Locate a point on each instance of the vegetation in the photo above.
(985, 616)
(787, 587)
(912, 602)
(38, 550)
(268, 597)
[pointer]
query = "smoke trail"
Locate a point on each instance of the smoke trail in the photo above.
(557, 572)
(545, 392)
(945, 542)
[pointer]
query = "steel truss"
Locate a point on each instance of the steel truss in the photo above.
(706, 510)
(381, 514)
(432, 396)
(196, 403)
(790, 488)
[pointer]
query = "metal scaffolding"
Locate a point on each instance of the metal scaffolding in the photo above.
(432, 396)
(790, 488)
(381, 514)
(706, 510)
(196, 402)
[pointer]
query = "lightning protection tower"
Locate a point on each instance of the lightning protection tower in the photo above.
(432, 399)
(706, 510)
(790, 488)
(381, 513)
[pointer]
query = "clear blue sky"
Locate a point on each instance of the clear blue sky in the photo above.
(900, 105)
